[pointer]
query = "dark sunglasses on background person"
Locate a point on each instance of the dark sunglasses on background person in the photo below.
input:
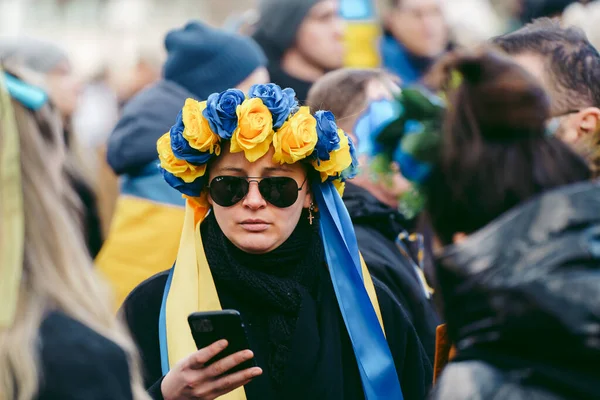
(280, 191)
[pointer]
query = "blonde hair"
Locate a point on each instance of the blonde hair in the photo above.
(57, 271)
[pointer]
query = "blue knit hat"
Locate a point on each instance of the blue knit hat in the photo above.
(206, 60)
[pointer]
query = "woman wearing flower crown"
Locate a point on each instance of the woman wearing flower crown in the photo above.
(266, 233)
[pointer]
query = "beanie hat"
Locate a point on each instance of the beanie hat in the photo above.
(205, 60)
(279, 22)
(33, 54)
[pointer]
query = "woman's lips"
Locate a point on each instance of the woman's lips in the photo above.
(255, 225)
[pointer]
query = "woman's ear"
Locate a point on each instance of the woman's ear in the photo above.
(308, 200)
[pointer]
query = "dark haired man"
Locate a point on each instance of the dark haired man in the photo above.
(303, 40)
(569, 68)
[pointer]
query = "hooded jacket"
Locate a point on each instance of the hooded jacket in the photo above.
(132, 145)
(377, 226)
(522, 302)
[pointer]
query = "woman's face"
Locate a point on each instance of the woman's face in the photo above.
(254, 225)
(64, 89)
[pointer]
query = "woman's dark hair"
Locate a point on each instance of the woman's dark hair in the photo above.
(495, 152)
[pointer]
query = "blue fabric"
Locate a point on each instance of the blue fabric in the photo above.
(357, 9)
(412, 169)
(162, 327)
(369, 125)
(149, 184)
(373, 355)
(400, 62)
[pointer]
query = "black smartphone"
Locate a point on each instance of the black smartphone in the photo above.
(210, 327)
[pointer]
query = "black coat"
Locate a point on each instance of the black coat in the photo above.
(522, 301)
(377, 226)
(142, 307)
(78, 363)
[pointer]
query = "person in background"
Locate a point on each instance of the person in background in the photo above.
(59, 338)
(54, 73)
(568, 67)
(516, 223)
(373, 205)
(415, 35)
(149, 213)
(303, 40)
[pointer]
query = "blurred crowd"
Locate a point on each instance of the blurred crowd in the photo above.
(447, 240)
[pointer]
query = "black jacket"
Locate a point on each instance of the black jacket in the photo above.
(377, 226)
(141, 312)
(77, 363)
(522, 302)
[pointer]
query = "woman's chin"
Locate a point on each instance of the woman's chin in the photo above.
(256, 243)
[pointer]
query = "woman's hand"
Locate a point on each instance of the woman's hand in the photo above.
(191, 379)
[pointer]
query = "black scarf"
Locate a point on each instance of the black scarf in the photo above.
(272, 283)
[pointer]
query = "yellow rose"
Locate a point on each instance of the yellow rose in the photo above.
(180, 168)
(296, 139)
(339, 160)
(197, 130)
(254, 133)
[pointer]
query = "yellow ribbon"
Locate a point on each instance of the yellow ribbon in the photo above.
(11, 200)
(193, 289)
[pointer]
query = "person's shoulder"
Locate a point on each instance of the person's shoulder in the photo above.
(148, 294)
(480, 380)
(59, 332)
(78, 362)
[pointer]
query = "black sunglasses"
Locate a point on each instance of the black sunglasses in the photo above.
(280, 191)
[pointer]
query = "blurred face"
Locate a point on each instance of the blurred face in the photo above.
(319, 38)
(573, 126)
(64, 89)
(259, 76)
(420, 26)
(253, 224)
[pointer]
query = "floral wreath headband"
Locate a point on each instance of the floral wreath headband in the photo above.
(252, 123)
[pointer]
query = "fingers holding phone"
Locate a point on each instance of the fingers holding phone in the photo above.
(196, 378)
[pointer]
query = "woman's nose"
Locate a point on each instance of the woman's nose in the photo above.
(254, 199)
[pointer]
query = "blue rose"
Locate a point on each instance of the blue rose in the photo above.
(329, 139)
(182, 149)
(280, 102)
(191, 189)
(220, 111)
(352, 170)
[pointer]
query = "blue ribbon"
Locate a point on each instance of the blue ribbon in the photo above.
(162, 327)
(373, 355)
(30, 96)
